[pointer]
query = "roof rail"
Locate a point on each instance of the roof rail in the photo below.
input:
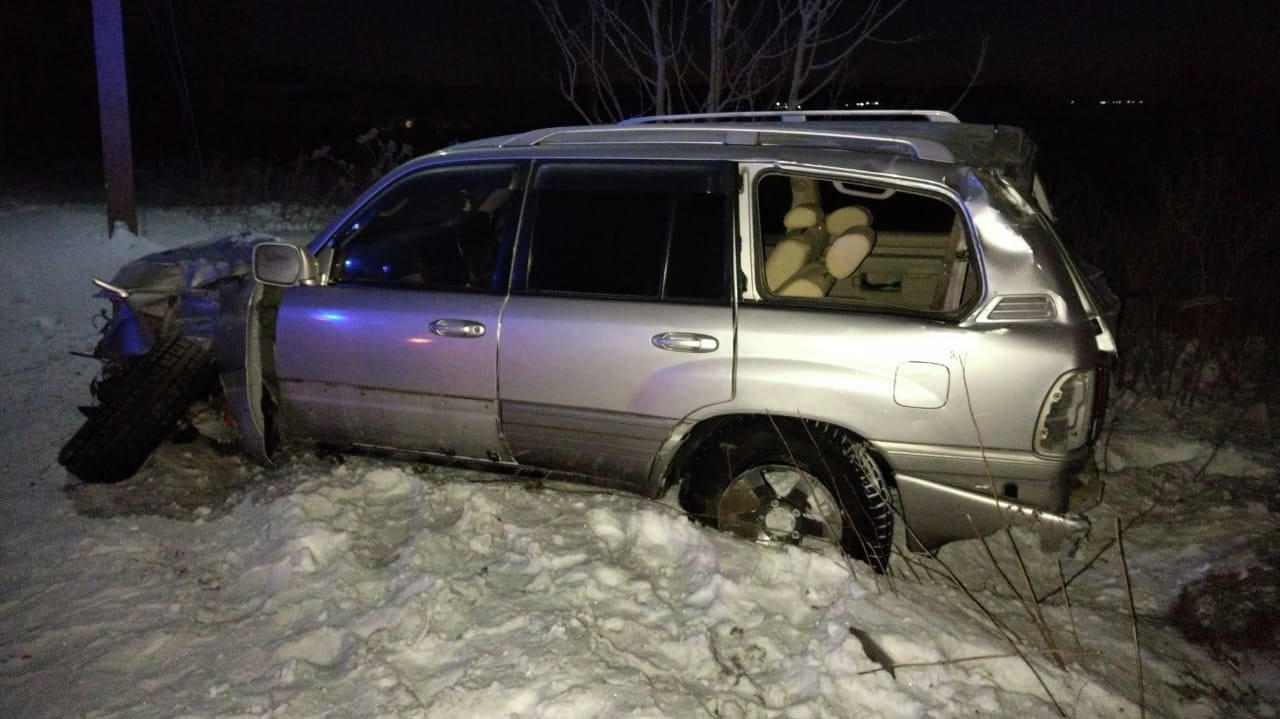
(795, 116)
(921, 148)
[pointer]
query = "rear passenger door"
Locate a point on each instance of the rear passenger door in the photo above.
(620, 321)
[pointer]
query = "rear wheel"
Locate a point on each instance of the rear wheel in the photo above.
(143, 405)
(795, 482)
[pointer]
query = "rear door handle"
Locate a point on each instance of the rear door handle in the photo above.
(466, 329)
(685, 342)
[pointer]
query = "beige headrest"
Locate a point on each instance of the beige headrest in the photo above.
(849, 250)
(802, 217)
(812, 281)
(841, 219)
(805, 191)
(785, 260)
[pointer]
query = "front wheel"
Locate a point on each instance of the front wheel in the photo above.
(141, 408)
(792, 482)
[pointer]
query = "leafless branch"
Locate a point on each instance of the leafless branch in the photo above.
(706, 55)
(977, 70)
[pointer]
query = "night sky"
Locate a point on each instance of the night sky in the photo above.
(242, 58)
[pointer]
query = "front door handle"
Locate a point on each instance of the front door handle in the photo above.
(457, 328)
(685, 342)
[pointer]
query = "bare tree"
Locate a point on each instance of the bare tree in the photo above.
(977, 70)
(818, 55)
(643, 41)
(665, 56)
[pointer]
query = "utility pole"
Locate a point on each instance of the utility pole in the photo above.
(113, 114)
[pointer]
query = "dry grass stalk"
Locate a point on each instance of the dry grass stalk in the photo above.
(1159, 501)
(1032, 609)
(1075, 634)
(1133, 615)
(1045, 630)
(1005, 632)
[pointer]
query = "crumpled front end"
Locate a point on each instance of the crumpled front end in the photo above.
(203, 292)
(174, 292)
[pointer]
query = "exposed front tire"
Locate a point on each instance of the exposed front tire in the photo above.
(791, 482)
(142, 407)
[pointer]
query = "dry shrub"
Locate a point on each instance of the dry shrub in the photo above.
(1231, 610)
(1193, 252)
(316, 182)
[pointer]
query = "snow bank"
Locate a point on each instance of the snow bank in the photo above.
(378, 591)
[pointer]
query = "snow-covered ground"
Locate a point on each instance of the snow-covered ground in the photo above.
(364, 587)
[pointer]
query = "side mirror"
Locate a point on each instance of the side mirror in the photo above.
(283, 265)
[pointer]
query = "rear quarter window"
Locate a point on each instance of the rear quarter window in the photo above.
(863, 246)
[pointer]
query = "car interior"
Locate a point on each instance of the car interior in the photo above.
(876, 245)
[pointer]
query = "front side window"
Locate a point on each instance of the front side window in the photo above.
(835, 240)
(441, 229)
(631, 230)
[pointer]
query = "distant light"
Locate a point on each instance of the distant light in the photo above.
(386, 269)
(408, 123)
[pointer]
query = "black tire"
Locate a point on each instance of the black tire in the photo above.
(744, 452)
(143, 406)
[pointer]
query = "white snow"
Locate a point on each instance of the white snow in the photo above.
(374, 588)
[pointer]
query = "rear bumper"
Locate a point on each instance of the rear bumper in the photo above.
(972, 492)
(1023, 477)
(936, 514)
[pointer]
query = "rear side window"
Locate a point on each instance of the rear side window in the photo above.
(658, 232)
(842, 241)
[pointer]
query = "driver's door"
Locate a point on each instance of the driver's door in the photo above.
(399, 348)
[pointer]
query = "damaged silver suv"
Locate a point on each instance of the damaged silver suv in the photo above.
(812, 324)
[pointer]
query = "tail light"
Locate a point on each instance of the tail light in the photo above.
(1067, 415)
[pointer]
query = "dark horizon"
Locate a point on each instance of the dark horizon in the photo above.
(247, 77)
